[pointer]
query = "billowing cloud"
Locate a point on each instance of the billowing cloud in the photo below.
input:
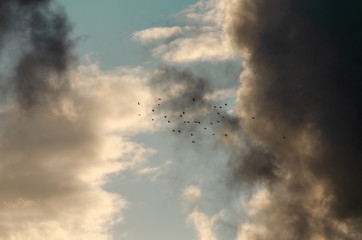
(300, 105)
(63, 130)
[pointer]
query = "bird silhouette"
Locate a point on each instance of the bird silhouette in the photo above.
(193, 99)
(218, 121)
(211, 123)
(153, 119)
(139, 103)
(253, 117)
(169, 121)
(205, 128)
(226, 135)
(179, 131)
(180, 115)
(192, 134)
(173, 130)
(183, 112)
(159, 99)
(226, 104)
(153, 110)
(193, 141)
(165, 116)
(214, 106)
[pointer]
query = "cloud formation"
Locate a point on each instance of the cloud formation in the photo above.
(202, 39)
(63, 130)
(300, 104)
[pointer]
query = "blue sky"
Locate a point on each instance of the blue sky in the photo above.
(105, 30)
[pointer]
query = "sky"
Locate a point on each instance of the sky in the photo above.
(181, 120)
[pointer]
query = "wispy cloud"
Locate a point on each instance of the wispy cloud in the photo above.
(203, 39)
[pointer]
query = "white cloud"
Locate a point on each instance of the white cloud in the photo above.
(191, 195)
(204, 39)
(55, 159)
(158, 33)
(203, 224)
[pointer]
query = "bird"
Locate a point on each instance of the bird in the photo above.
(193, 141)
(226, 135)
(153, 110)
(179, 131)
(192, 134)
(159, 99)
(139, 114)
(223, 117)
(253, 117)
(195, 121)
(213, 134)
(173, 130)
(158, 104)
(169, 121)
(284, 137)
(218, 113)
(198, 122)
(188, 121)
(220, 107)
(211, 123)
(226, 104)
(165, 116)
(139, 103)
(183, 112)
(193, 99)
(218, 121)
(205, 128)
(180, 115)
(153, 119)
(214, 106)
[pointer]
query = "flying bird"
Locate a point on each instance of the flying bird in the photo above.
(253, 117)
(226, 104)
(180, 115)
(169, 121)
(193, 99)
(183, 112)
(165, 116)
(193, 141)
(179, 131)
(192, 134)
(153, 110)
(139, 103)
(173, 130)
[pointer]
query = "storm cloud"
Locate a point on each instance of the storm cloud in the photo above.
(300, 103)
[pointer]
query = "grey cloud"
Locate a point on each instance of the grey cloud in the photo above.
(302, 83)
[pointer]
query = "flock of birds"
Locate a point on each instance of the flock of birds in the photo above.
(183, 118)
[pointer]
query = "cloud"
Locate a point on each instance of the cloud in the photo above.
(203, 39)
(158, 33)
(191, 195)
(55, 160)
(203, 224)
(300, 108)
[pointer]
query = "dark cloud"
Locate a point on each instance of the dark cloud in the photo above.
(302, 82)
(39, 74)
